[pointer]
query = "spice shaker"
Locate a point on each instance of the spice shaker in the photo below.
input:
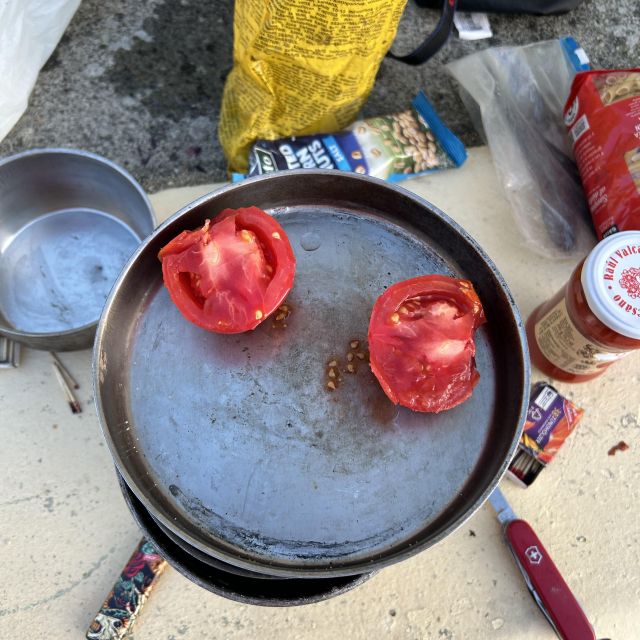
(594, 320)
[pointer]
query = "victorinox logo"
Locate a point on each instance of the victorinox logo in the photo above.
(533, 554)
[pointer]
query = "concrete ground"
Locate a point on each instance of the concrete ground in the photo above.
(66, 533)
(141, 82)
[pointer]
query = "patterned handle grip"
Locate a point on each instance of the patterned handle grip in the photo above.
(129, 593)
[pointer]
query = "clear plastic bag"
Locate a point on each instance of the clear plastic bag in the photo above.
(29, 32)
(516, 96)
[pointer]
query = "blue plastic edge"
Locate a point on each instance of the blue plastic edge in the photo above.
(449, 141)
(334, 149)
(570, 47)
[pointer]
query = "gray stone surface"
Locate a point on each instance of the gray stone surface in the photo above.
(141, 82)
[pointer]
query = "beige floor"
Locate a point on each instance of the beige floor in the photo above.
(65, 531)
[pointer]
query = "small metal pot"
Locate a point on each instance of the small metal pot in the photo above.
(69, 220)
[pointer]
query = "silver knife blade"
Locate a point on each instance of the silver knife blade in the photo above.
(504, 512)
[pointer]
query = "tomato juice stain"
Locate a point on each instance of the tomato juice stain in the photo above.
(384, 410)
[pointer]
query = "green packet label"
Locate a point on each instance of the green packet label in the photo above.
(393, 147)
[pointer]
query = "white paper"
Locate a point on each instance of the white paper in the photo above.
(472, 26)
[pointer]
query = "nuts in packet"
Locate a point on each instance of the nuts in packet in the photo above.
(602, 116)
(394, 147)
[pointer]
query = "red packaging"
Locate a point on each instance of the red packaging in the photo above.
(550, 419)
(602, 115)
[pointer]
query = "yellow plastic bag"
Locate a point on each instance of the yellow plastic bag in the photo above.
(300, 67)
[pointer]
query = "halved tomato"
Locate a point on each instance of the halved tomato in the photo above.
(230, 274)
(421, 342)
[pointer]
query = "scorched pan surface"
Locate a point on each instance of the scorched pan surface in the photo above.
(233, 441)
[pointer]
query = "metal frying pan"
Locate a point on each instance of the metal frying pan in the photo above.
(233, 442)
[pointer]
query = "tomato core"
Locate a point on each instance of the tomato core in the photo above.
(231, 273)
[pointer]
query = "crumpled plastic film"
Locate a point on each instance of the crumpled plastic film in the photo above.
(515, 96)
(301, 67)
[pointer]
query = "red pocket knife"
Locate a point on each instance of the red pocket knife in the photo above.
(547, 586)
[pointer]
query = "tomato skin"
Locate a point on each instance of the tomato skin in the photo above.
(421, 342)
(230, 274)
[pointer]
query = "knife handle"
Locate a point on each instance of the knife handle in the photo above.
(548, 587)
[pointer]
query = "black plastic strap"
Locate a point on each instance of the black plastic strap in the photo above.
(436, 39)
(535, 7)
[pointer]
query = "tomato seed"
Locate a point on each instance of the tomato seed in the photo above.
(259, 314)
(333, 363)
(332, 373)
(395, 318)
(350, 356)
(354, 344)
(246, 236)
(360, 355)
(351, 368)
(280, 316)
(331, 385)
(275, 235)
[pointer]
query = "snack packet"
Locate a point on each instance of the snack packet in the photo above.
(393, 147)
(300, 67)
(602, 115)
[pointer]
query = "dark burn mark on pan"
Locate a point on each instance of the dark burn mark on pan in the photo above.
(266, 545)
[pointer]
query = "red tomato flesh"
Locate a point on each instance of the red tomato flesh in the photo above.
(231, 273)
(421, 342)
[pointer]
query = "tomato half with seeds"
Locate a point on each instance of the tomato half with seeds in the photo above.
(421, 342)
(231, 273)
